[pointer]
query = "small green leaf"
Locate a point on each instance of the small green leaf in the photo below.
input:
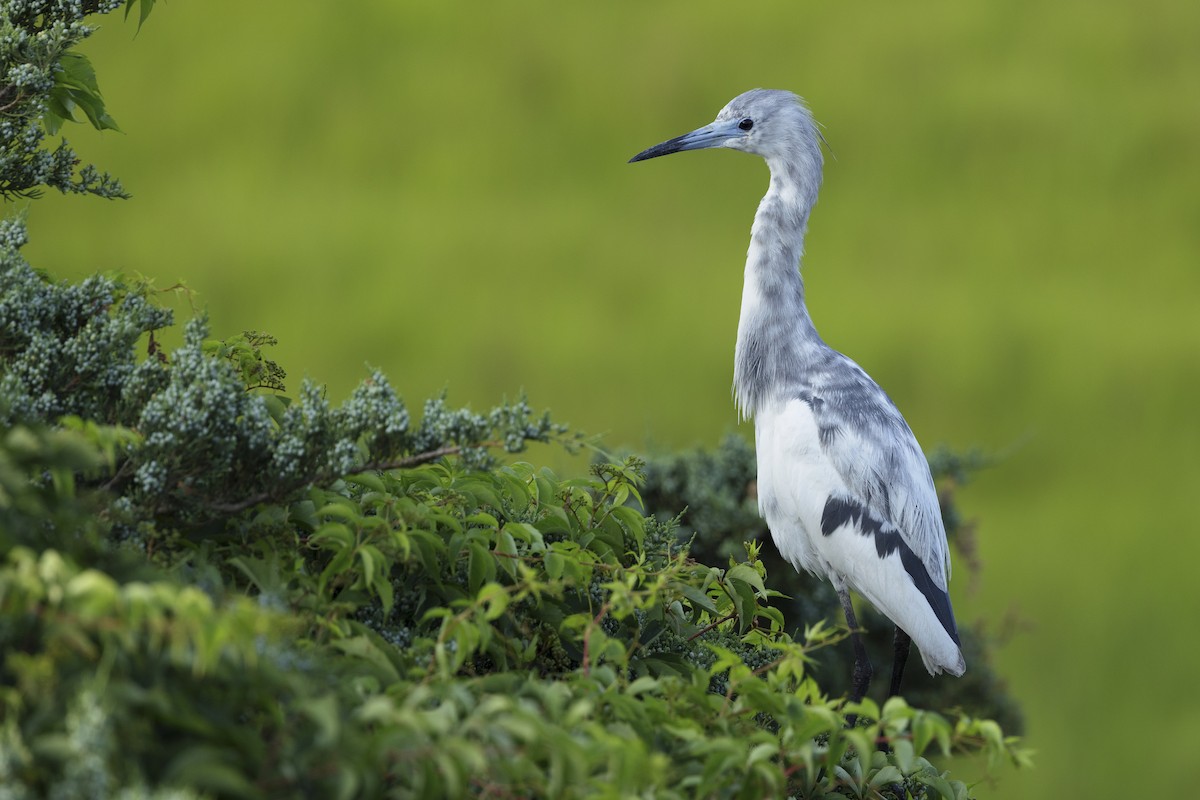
(576, 622)
(371, 559)
(483, 519)
(554, 563)
(506, 552)
(634, 522)
(937, 783)
(494, 599)
(323, 711)
(762, 752)
(368, 480)
(75, 86)
(367, 648)
(886, 775)
(902, 750)
(698, 598)
(345, 511)
(481, 566)
(144, 9)
(746, 573)
(642, 684)
(523, 531)
(333, 536)
(743, 601)
(208, 769)
(387, 596)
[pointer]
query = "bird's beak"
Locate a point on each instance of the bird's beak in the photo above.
(718, 134)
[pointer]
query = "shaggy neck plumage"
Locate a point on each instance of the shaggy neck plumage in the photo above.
(776, 337)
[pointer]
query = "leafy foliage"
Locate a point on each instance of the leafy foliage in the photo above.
(44, 83)
(259, 596)
(210, 588)
(717, 489)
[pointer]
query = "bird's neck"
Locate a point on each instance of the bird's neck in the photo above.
(776, 337)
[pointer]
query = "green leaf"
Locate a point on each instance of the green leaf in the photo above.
(345, 510)
(506, 552)
(643, 684)
(368, 649)
(576, 622)
(937, 783)
(484, 520)
(276, 406)
(923, 732)
(554, 563)
(58, 111)
(386, 594)
(697, 597)
(208, 768)
(145, 7)
(374, 565)
(75, 87)
(747, 574)
(774, 615)
(323, 711)
(547, 494)
(93, 593)
(494, 598)
(886, 775)
(554, 521)
(902, 751)
(528, 534)
(762, 752)
(634, 522)
(368, 480)
(743, 601)
(481, 566)
(333, 536)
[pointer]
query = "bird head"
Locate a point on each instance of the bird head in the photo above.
(771, 123)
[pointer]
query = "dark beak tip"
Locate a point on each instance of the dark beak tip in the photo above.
(653, 152)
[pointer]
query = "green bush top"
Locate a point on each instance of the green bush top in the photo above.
(212, 588)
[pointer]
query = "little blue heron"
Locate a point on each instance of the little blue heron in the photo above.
(842, 482)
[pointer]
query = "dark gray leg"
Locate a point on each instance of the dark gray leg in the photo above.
(900, 655)
(901, 643)
(861, 678)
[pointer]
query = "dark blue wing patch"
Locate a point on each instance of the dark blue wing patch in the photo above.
(841, 511)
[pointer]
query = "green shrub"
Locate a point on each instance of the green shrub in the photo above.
(247, 596)
(210, 588)
(717, 490)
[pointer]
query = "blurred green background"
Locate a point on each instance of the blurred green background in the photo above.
(1008, 241)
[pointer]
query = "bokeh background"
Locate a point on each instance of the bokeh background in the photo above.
(1008, 240)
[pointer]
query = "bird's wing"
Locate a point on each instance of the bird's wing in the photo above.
(877, 456)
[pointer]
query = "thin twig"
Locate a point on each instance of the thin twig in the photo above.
(708, 628)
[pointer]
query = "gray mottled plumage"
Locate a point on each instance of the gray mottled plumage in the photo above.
(842, 483)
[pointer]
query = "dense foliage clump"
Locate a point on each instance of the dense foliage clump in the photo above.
(257, 596)
(212, 588)
(44, 83)
(717, 489)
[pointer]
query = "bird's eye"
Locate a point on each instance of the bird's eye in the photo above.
(746, 124)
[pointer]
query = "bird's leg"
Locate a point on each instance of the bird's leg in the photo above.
(861, 678)
(900, 655)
